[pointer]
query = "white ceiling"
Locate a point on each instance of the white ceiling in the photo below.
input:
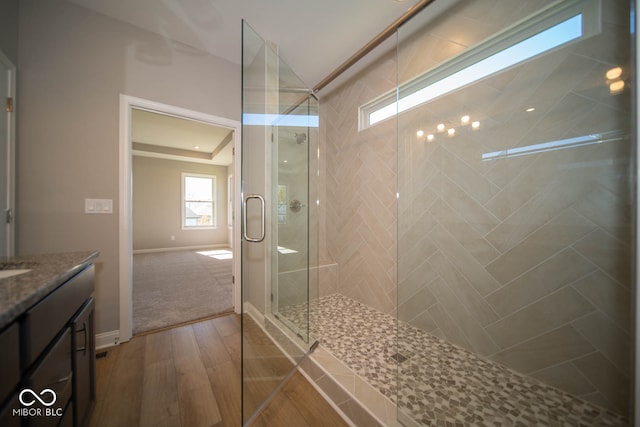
(168, 137)
(314, 36)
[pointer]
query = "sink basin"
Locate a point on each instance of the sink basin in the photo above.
(11, 268)
(8, 273)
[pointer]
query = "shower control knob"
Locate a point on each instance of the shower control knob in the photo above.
(295, 205)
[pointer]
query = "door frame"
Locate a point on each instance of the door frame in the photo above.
(125, 242)
(11, 158)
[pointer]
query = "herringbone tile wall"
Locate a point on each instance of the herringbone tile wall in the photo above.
(524, 260)
(360, 190)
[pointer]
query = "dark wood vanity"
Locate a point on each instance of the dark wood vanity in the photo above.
(47, 344)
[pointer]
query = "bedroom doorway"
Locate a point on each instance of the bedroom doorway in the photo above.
(178, 204)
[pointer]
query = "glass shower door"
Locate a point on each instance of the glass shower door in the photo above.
(279, 128)
(515, 175)
(293, 277)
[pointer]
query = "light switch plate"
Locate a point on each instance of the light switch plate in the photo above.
(98, 206)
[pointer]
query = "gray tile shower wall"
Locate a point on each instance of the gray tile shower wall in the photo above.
(523, 260)
(358, 220)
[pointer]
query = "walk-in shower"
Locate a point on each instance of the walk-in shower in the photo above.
(514, 207)
(474, 217)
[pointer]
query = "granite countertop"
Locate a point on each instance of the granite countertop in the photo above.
(48, 271)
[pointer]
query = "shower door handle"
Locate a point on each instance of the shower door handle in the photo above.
(244, 219)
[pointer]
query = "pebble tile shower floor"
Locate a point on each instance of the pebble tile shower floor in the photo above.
(440, 384)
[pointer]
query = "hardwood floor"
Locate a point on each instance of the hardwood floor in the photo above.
(190, 376)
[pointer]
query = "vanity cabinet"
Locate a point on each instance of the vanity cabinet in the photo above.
(49, 351)
(7, 419)
(9, 360)
(9, 374)
(84, 356)
(53, 372)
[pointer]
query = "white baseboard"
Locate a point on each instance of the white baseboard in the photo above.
(107, 339)
(252, 311)
(181, 248)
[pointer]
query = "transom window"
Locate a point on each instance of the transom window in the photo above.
(561, 23)
(198, 201)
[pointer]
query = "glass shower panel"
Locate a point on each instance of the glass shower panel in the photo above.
(279, 248)
(259, 379)
(293, 272)
(515, 188)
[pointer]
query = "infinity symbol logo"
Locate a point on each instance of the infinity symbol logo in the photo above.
(36, 397)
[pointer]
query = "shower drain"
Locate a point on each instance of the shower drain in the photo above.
(398, 358)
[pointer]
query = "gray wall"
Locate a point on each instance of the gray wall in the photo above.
(157, 195)
(73, 66)
(9, 25)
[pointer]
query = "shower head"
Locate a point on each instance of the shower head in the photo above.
(300, 137)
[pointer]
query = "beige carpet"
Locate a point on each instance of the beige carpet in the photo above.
(170, 288)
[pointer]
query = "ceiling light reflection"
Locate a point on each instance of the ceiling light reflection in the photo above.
(616, 87)
(614, 73)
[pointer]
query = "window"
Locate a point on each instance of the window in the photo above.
(198, 201)
(559, 24)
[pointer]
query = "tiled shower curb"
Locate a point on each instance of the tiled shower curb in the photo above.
(355, 400)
